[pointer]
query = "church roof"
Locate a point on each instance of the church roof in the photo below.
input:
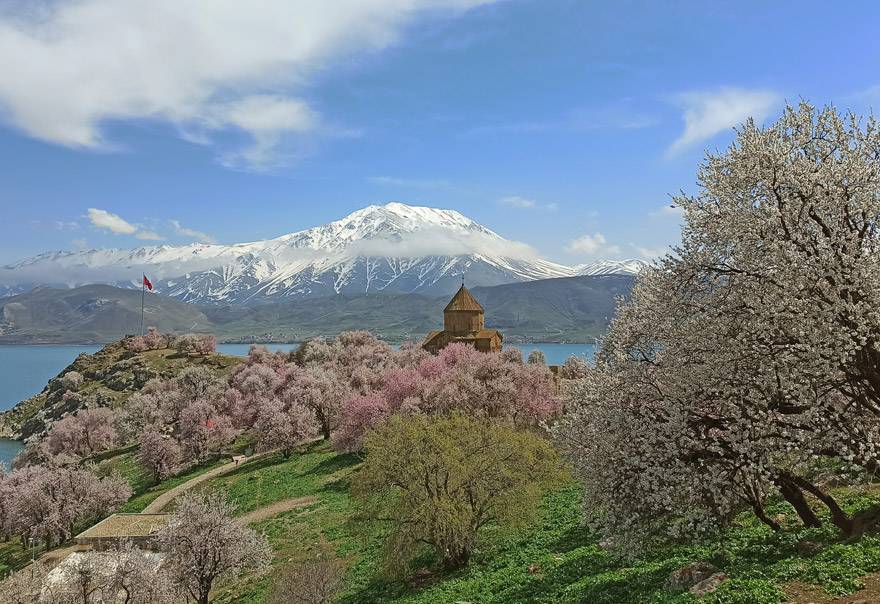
(463, 300)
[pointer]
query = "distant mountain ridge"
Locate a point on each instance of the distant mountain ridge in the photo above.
(391, 248)
(562, 309)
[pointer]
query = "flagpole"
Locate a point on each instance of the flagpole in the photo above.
(143, 291)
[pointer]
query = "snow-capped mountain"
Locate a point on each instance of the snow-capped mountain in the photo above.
(612, 267)
(392, 247)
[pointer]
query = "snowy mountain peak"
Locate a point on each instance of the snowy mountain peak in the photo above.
(391, 222)
(392, 247)
(612, 267)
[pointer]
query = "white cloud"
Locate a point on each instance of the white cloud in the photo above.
(204, 66)
(650, 253)
(524, 203)
(592, 245)
(149, 236)
(187, 232)
(442, 242)
(516, 201)
(111, 222)
(707, 113)
(116, 224)
(79, 244)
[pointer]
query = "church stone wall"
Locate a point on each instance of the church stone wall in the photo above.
(462, 322)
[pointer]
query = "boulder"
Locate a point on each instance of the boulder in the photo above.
(690, 575)
(708, 585)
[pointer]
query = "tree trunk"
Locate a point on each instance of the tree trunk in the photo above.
(795, 497)
(840, 518)
(763, 517)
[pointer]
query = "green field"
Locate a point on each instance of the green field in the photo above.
(555, 559)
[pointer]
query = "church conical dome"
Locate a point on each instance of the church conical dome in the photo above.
(463, 300)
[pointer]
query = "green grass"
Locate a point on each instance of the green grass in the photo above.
(13, 555)
(141, 500)
(555, 559)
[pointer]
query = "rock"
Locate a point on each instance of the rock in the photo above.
(707, 586)
(808, 548)
(690, 575)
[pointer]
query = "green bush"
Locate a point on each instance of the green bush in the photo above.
(440, 481)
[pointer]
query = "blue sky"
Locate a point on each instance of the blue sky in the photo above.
(564, 124)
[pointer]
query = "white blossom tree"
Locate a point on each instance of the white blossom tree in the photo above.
(204, 544)
(753, 349)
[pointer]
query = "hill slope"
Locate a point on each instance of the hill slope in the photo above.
(569, 309)
(91, 313)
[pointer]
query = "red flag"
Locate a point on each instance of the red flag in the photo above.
(147, 283)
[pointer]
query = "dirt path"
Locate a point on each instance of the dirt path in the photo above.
(162, 501)
(799, 593)
(276, 508)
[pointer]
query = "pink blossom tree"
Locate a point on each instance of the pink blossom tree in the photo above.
(493, 385)
(284, 427)
(574, 368)
(159, 455)
(196, 344)
(359, 414)
(46, 503)
(153, 339)
(136, 344)
(204, 431)
(80, 435)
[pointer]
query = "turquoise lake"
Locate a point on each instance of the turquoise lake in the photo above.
(24, 370)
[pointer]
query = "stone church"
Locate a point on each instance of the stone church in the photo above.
(463, 321)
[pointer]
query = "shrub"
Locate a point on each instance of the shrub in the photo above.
(196, 344)
(314, 581)
(72, 380)
(440, 480)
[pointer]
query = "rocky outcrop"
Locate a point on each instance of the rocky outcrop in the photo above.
(108, 378)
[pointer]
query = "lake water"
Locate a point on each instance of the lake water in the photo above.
(24, 370)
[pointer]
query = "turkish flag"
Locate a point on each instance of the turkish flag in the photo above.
(147, 283)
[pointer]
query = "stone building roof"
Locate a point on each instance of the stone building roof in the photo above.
(126, 525)
(463, 300)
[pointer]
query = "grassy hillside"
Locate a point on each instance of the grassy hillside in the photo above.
(553, 560)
